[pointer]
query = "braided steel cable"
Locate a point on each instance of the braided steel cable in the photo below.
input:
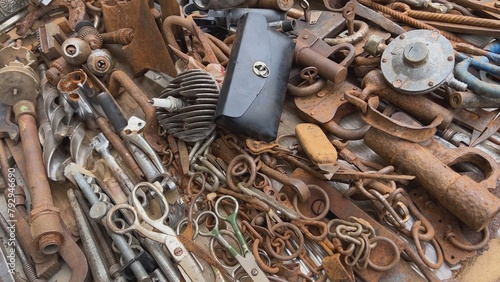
(407, 19)
(447, 18)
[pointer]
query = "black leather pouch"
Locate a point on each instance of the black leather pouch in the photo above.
(253, 93)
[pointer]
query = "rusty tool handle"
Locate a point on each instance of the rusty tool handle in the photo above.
(468, 200)
(112, 111)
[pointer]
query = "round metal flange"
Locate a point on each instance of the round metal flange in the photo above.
(418, 61)
(21, 54)
(17, 82)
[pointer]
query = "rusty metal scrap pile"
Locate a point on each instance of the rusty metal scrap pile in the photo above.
(210, 140)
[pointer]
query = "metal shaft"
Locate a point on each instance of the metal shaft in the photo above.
(4, 264)
(45, 225)
(459, 100)
(28, 267)
(94, 258)
(105, 247)
(164, 262)
(125, 250)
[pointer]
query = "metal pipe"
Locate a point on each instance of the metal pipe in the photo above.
(461, 100)
(164, 262)
(479, 87)
(45, 224)
(95, 260)
(481, 63)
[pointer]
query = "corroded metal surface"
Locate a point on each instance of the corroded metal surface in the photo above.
(468, 200)
(137, 16)
(45, 225)
(121, 79)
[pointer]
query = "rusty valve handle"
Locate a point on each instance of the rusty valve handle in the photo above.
(470, 201)
(46, 229)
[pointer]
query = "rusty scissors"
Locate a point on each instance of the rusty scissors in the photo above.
(246, 259)
(187, 265)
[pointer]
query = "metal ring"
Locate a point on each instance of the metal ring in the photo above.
(304, 4)
(237, 160)
(397, 255)
(450, 236)
(295, 203)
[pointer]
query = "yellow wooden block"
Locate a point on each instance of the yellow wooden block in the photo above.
(315, 143)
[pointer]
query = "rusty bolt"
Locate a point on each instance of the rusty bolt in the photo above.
(497, 5)
(430, 204)
(397, 83)
(305, 36)
(178, 251)
(75, 232)
(402, 36)
(311, 113)
(317, 207)
(450, 58)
